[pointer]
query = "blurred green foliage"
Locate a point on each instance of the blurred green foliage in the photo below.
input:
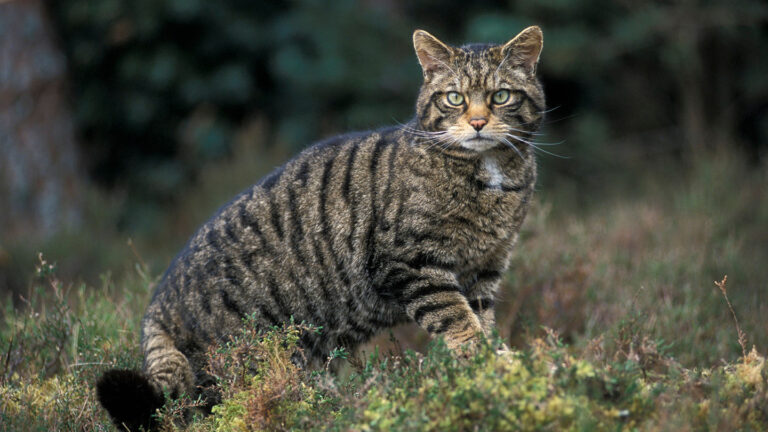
(161, 86)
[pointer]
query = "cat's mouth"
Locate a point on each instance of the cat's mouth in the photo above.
(479, 143)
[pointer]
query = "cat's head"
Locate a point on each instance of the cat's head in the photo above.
(479, 96)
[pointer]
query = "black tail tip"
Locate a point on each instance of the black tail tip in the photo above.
(129, 398)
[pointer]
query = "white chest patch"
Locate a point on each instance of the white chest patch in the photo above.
(492, 167)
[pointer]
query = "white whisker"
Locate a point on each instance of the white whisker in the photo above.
(535, 142)
(514, 147)
(535, 147)
(419, 132)
(524, 131)
(443, 140)
(560, 119)
(548, 111)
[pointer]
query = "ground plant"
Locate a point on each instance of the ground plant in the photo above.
(619, 315)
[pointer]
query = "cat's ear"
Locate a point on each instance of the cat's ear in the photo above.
(432, 53)
(525, 48)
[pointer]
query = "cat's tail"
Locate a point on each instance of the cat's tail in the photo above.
(130, 399)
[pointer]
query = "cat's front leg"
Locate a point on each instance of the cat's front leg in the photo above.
(483, 307)
(481, 292)
(433, 299)
(445, 314)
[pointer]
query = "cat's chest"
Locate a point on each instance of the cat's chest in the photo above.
(494, 175)
(490, 215)
(478, 213)
(495, 191)
(491, 174)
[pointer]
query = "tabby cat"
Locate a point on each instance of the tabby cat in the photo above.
(360, 232)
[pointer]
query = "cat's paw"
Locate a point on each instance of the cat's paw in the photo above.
(464, 350)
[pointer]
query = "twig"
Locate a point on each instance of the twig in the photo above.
(82, 410)
(742, 336)
(90, 364)
(137, 255)
(7, 360)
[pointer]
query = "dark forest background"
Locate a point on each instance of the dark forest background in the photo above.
(159, 88)
(125, 124)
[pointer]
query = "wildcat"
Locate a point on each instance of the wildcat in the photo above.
(359, 232)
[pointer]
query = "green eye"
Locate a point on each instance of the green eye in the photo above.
(454, 98)
(501, 97)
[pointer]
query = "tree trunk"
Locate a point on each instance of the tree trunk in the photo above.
(40, 182)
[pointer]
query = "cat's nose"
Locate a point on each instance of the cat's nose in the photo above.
(478, 123)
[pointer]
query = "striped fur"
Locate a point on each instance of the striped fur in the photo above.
(364, 231)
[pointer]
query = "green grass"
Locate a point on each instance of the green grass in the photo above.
(610, 308)
(55, 347)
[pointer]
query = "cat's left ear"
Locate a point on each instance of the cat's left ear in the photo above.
(432, 53)
(525, 48)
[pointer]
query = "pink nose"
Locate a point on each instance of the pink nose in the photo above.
(478, 123)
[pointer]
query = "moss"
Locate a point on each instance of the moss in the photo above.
(545, 386)
(231, 414)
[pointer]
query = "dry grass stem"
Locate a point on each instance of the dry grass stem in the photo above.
(742, 336)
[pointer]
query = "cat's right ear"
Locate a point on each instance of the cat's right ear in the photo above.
(433, 54)
(525, 48)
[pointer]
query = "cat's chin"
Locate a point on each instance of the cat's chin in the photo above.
(479, 144)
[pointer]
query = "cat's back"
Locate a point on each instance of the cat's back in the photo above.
(276, 248)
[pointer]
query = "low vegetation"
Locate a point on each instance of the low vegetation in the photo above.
(612, 314)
